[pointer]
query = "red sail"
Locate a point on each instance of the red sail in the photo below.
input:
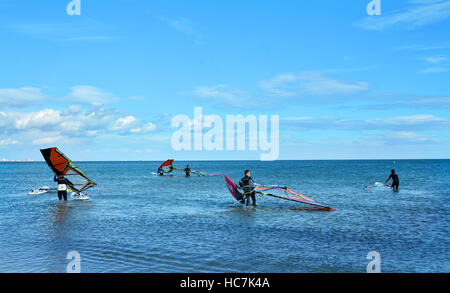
(63, 166)
(167, 163)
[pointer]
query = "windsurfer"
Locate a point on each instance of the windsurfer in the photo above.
(160, 171)
(248, 186)
(62, 186)
(187, 170)
(395, 180)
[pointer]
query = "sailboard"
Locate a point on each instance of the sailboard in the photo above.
(379, 185)
(37, 192)
(42, 190)
(168, 167)
(281, 192)
(61, 165)
(201, 174)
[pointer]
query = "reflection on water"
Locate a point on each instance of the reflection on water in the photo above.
(60, 213)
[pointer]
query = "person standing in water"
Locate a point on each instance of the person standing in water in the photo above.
(188, 171)
(62, 186)
(248, 186)
(395, 180)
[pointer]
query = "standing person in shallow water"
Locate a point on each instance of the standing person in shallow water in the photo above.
(188, 171)
(62, 186)
(395, 180)
(248, 186)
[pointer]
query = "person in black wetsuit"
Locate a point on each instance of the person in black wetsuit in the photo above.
(160, 171)
(188, 171)
(248, 186)
(395, 180)
(63, 183)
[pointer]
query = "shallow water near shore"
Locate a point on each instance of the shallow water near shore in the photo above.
(139, 222)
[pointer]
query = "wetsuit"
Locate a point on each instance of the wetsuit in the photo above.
(161, 172)
(63, 183)
(248, 186)
(395, 181)
(188, 172)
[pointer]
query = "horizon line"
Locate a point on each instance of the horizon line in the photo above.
(195, 160)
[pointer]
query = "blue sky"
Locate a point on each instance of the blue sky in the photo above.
(104, 85)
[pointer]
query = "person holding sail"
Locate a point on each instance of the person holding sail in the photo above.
(395, 180)
(160, 171)
(248, 185)
(187, 171)
(62, 186)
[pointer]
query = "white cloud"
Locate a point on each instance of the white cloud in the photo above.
(434, 70)
(414, 121)
(86, 38)
(48, 140)
(159, 138)
(182, 25)
(124, 123)
(223, 94)
(412, 137)
(399, 138)
(416, 103)
(442, 46)
(81, 94)
(401, 123)
(90, 95)
(73, 109)
(436, 102)
(147, 128)
(86, 29)
(47, 117)
(42, 125)
(438, 63)
(92, 132)
(438, 59)
(144, 151)
(8, 142)
(312, 84)
(21, 97)
(417, 13)
(283, 86)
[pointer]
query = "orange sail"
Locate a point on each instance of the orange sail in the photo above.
(168, 163)
(63, 166)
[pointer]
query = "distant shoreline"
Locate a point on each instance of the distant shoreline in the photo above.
(16, 161)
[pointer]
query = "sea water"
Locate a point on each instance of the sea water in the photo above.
(140, 222)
